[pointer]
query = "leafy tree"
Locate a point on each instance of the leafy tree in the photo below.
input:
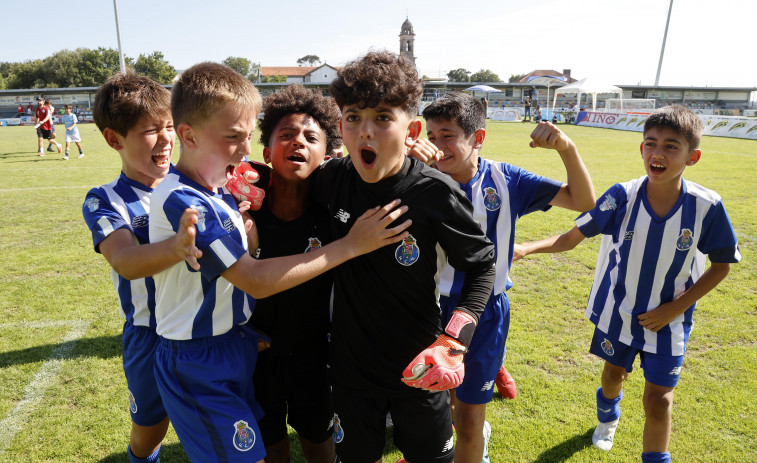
(156, 67)
(99, 65)
(458, 75)
(516, 77)
(484, 75)
(276, 78)
(241, 65)
(312, 60)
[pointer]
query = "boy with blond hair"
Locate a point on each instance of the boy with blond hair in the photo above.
(207, 353)
(134, 115)
(657, 232)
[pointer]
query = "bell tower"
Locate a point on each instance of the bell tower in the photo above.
(407, 41)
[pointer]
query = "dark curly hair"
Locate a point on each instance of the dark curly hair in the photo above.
(379, 77)
(296, 99)
(462, 109)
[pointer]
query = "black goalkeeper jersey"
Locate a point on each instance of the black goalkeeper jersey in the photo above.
(386, 307)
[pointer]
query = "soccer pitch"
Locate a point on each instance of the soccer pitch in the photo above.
(63, 395)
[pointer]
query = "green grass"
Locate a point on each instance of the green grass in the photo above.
(63, 394)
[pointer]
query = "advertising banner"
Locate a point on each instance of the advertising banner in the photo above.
(506, 114)
(719, 126)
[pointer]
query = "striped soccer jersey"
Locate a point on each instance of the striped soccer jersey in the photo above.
(500, 194)
(645, 261)
(124, 203)
(194, 304)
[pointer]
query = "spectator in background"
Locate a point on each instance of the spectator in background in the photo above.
(527, 108)
(20, 110)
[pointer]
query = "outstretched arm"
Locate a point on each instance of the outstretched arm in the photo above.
(655, 319)
(578, 193)
(556, 243)
(262, 278)
(132, 260)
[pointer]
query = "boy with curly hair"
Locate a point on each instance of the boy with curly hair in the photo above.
(299, 129)
(390, 351)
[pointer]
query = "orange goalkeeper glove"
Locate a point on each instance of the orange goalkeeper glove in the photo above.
(242, 183)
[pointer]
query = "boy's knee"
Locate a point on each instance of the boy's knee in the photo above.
(614, 373)
(658, 404)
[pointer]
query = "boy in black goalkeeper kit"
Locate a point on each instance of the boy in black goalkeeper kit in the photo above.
(389, 350)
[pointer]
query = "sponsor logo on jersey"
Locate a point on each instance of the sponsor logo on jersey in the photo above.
(140, 221)
(628, 235)
(408, 251)
(342, 215)
(607, 347)
(244, 437)
(201, 212)
(685, 240)
(448, 445)
(609, 204)
(313, 244)
(675, 371)
(492, 201)
(132, 403)
(487, 386)
(92, 204)
(228, 225)
(338, 431)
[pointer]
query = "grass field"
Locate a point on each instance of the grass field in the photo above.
(63, 394)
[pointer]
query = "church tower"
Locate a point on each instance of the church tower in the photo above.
(407, 41)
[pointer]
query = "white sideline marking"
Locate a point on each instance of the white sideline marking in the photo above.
(35, 390)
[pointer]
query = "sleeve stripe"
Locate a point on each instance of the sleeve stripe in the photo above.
(223, 253)
(105, 226)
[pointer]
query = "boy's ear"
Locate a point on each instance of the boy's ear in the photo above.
(695, 155)
(267, 155)
(413, 132)
(641, 148)
(186, 135)
(480, 135)
(112, 139)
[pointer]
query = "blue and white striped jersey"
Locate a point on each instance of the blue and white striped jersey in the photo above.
(194, 304)
(124, 203)
(500, 193)
(645, 261)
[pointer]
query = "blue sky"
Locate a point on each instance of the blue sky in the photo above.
(709, 43)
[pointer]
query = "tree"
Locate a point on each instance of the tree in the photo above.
(241, 65)
(458, 75)
(276, 78)
(156, 67)
(516, 77)
(312, 60)
(484, 75)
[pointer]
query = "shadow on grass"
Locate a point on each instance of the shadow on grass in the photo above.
(172, 453)
(103, 347)
(565, 450)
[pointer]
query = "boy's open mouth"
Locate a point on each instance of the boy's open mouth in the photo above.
(657, 168)
(230, 171)
(367, 156)
(162, 159)
(296, 158)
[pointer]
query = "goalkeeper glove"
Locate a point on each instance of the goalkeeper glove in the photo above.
(440, 366)
(242, 183)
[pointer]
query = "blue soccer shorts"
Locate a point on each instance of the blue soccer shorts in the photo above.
(139, 344)
(662, 370)
(486, 350)
(207, 388)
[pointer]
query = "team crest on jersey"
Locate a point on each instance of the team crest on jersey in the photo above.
(685, 240)
(140, 221)
(92, 204)
(313, 244)
(201, 212)
(407, 252)
(132, 403)
(607, 347)
(609, 204)
(491, 199)
(244, 437)
(338, 431)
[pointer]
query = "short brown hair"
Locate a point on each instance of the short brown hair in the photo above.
(379, 77)
(68, 106)
(460, 108)
(680, 119)
(206, 87)
(296, 99)
(127, 97)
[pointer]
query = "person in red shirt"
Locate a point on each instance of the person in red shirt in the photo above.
(20, 110)
(44, 126)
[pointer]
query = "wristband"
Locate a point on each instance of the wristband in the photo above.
(461, 326)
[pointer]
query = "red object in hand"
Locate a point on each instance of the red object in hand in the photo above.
(241, 185)
(439, 367)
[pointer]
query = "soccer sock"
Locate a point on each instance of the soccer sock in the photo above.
(80, 151)
(154, 458)
(608, 410)
(655, 457)
(66, 152)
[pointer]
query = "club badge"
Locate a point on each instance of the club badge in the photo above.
(609, 204)
(338, 431)
(201, 212)
(132, 403)
(491, 200)
(685, 240)
(313, 244)
(407, 252)
(244, 437)
(607, 347)
(92, 204)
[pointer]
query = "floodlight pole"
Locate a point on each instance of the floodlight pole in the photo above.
(662, 51)
(121, 60)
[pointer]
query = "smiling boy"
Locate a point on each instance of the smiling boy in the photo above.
(650, 273)
(390, 351)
